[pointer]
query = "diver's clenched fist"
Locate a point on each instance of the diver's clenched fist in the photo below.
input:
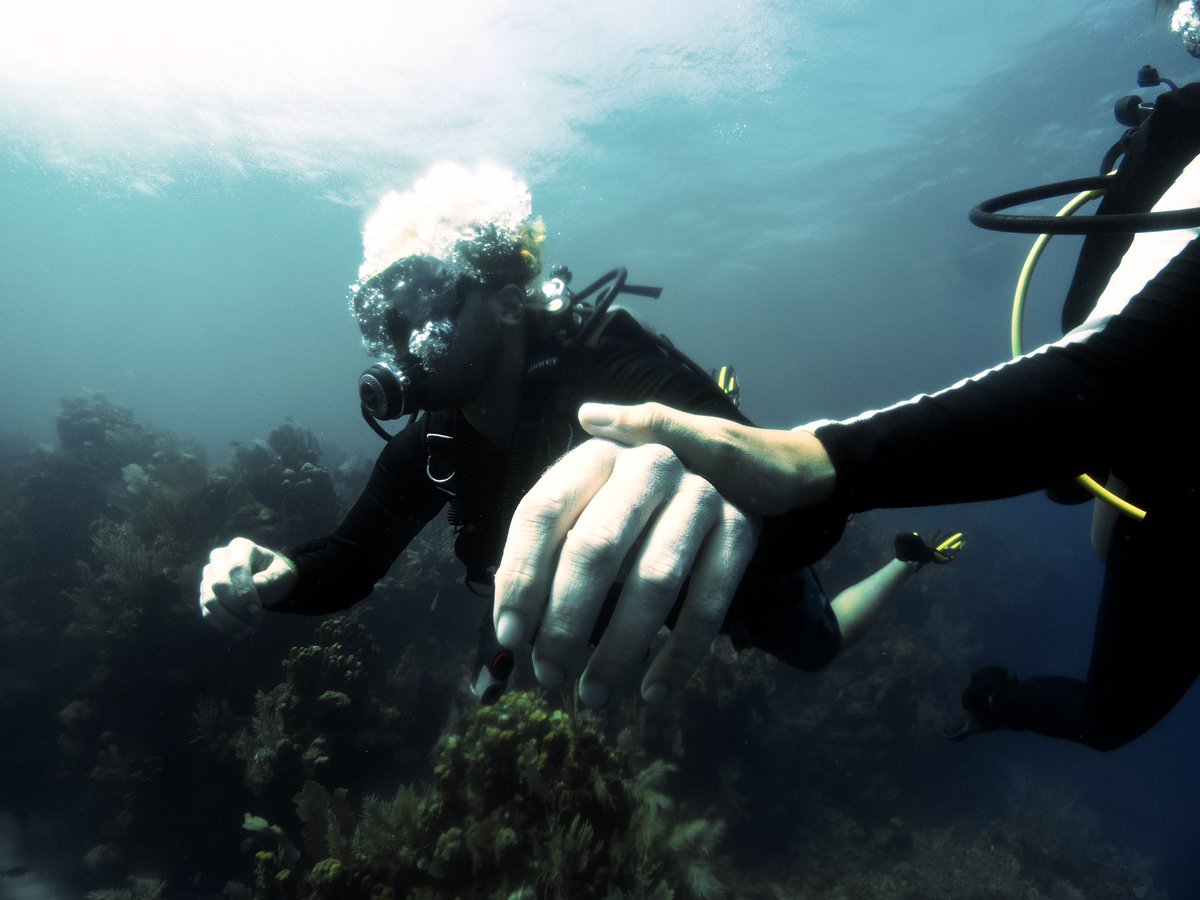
(240, 579)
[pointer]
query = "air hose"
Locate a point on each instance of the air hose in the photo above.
(1018, 317)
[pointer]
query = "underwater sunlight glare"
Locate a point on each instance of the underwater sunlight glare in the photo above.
(144, 93)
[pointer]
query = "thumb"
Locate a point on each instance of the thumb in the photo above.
(697, 440)
(760, 470)
(275, 581)
(710, 446)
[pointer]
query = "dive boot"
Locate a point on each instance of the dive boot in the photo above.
(910, 548)
(979, 702)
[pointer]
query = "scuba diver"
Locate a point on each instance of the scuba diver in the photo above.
(1113, 397)
(490, 366)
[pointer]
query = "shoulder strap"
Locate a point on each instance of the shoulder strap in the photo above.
(438, 431)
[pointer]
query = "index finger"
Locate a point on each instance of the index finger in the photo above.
(539, 525)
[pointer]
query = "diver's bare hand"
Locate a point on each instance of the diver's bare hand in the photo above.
(239, 580)
(568, 540)
(762, 470)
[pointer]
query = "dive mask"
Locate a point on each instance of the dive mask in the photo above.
(406, 314)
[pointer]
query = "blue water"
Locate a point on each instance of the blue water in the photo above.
(183, 189)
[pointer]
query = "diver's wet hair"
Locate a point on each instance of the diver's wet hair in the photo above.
(496, 257)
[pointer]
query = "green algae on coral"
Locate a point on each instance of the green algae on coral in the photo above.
(525, 801)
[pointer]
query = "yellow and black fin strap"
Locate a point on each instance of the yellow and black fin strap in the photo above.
(948, 549)
(727, 381)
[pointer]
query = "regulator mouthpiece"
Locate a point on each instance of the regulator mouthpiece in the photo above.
(383, 390)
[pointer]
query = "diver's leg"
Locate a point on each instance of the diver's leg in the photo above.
(1145, 653)
(1148, 631)
(858, 606)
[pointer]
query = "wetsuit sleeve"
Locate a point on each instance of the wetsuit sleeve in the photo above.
(1065, 408)
(339, 570)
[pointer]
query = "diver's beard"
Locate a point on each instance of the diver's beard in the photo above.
(431, 342)
(445, 392)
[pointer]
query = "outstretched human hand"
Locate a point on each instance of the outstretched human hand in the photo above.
(762, 470)
(568, 540)
(239, 580)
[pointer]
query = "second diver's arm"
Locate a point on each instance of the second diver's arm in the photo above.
(1097, 395)
(336, 571)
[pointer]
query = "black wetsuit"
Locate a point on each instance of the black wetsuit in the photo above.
(1115, 395)
(440, 459)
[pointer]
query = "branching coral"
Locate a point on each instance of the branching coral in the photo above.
(128, 563)
(328, 821)
(515, 808)
(389, 832)
(322, 716)
(259, 744)
(115, 520)
(157, 725)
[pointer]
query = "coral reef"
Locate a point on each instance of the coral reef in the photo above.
(878, 705)
(279, 491)
(525, 800)
(102, 654)
(894, 861)
(138, 724)
(322, 719)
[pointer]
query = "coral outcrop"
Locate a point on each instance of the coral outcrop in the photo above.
(157, 734)
(322, 719)
(525, 801)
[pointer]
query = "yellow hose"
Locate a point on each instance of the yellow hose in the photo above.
(1018, 317)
